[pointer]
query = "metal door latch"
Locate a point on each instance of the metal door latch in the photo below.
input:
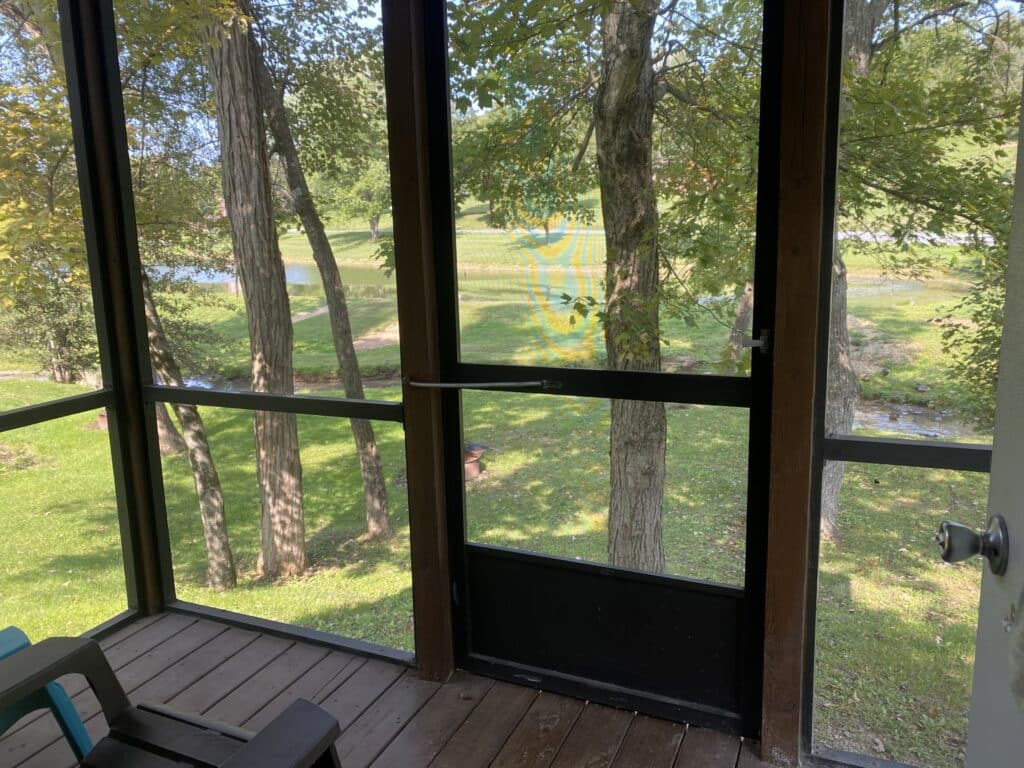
(760, 343)
(959, 542)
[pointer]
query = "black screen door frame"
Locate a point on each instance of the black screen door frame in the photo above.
(667, 646)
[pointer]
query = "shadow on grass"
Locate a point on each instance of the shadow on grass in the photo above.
(889, 514)
(895, 626)
(332, 490)
(342, 241)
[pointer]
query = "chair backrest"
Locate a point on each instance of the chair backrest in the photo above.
(12, 640)
(53, 697)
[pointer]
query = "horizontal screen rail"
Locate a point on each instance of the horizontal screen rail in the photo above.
(373, 410)
(55, 409)
(691, 388)
(927, 454)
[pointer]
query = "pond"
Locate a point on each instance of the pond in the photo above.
(302, 279)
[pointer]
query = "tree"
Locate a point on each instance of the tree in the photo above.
(378, 523)
(687, 190)
(167, 191)
(245, 173)
(175, 201)
(44, 282)
(220, 564)
(930, 65)
(601, 72)
(623, 128)
(168, 436)
(527, 173)
(369, 195)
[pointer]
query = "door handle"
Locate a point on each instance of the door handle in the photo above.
(544, 385)
(760, 343)
(959, 542)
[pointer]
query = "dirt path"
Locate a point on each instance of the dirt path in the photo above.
(298, 317)
(375, 338)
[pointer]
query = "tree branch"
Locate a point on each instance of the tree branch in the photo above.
(583, 146)
(923, 202)
(899, 31)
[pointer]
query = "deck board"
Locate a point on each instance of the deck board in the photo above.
(707, 749)
(650, 743)
(389, 717)
(349, 700)
(541, 732)
(479, 739)
(251, 696)
(218, 683)
(429, 730)
(370, 734)
(335, 667)
(595, 739)
(750, 757)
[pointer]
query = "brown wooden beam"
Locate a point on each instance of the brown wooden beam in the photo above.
(805, 200)
(409, 149)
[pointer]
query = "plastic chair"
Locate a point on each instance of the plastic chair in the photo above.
(52, 697)
(302, 736)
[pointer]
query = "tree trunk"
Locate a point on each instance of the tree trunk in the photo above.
(245, 173)
(374, 220)
(378, 521)
(59, 367)
(623, 119)
(861, 22)
(741, 327)
(220, 565)
(171, 441)
(841, 388)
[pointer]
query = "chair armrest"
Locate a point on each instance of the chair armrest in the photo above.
(297, 738)
(30, 669)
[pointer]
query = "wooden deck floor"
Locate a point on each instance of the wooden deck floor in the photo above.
(388, 716)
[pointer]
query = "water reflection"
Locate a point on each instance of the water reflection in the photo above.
(913, 421)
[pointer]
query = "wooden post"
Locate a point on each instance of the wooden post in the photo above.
(806, 199)
(411, 181)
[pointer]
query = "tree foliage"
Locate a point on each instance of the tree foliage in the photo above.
(44, 279)
(929, 101)
(929, 104)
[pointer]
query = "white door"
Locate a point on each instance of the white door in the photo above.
(995, 736)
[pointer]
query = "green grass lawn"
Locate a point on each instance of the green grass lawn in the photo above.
(895, 625)
(881, 586)
(895, 328)
(536, 441)
(510, 310)
(60, 548)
